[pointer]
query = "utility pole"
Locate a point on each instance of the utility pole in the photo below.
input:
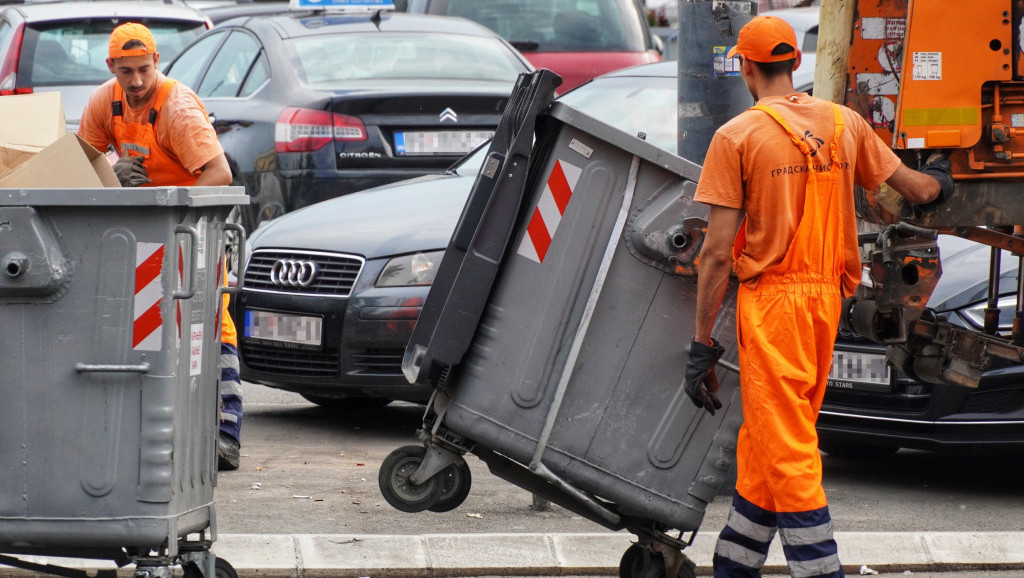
(710, 88)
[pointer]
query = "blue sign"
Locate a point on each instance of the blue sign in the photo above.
(346, 5)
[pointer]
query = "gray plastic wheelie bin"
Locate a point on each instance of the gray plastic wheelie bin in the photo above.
(110, 308)
(554, 336)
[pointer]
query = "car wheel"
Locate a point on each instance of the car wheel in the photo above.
(859, 450)
(348, 403)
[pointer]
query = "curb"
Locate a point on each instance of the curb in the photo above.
(453, 555)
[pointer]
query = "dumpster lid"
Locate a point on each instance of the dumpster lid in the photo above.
(127, 197)
(630, 143)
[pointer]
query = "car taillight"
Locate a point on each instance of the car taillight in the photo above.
(304, 130)
(9, 67)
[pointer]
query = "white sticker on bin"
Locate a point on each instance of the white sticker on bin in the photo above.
(147, 319)
(195, 349)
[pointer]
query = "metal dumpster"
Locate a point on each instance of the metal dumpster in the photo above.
(109, 304)
(554, 337)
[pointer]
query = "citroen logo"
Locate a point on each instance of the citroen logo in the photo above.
(448, 114)
(293, 273)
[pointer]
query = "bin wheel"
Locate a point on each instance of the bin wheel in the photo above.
(640, 562)
(456, 480)
(221, 568)
(393, 479)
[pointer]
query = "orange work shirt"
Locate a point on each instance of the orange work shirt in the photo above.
(183, 129)
(752, 165)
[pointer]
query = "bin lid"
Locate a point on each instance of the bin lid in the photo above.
(630, 143)
(126, 197)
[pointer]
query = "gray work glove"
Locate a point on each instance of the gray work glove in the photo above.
(700, 381)
(131, 172)
(938, 167)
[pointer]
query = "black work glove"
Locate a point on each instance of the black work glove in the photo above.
(938, 167)
(131, 172)
(700, 381)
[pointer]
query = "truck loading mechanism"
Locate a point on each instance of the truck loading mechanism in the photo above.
(931, 76)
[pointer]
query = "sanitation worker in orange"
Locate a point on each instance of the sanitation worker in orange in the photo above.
(163, 135)
(779, 180)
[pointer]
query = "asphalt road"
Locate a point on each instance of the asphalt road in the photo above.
(308, 470)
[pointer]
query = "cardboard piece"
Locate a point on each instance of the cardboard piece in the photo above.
(37, 152)
(69, 163)
(34, 120)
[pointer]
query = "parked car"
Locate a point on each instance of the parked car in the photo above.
(577, 39)
(310, 106)
(63, 46)
(873, 410)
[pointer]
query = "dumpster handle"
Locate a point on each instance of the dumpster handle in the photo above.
(100, 368)
(577, 343)
(187, 293)
(240, 230)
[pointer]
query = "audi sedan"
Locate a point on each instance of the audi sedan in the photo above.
(313, 105)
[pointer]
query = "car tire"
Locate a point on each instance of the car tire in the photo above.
(347, 403)
(856, 450)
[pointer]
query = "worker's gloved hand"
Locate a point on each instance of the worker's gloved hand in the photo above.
(131, 172)
(938, 167)
(700, 381)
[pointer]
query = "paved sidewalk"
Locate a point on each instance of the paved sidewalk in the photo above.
(341, 556)
(444, 555)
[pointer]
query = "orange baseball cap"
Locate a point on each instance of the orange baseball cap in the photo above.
(759, 37)
(126, 33)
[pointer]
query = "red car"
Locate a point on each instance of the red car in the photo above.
(578, 40)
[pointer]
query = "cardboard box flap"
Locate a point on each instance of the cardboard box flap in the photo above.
(31, 119)
(68, 163)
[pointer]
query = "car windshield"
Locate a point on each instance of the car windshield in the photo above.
(632, 105)
(549, 26)
(75, 51)
(326, 60)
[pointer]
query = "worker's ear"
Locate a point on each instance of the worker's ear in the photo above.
(156, 59)
(799, 59)
(110, 65)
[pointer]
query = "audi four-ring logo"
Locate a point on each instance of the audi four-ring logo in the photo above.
(293, 273)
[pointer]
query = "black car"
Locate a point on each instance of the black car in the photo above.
(313, 105)
(871, 409)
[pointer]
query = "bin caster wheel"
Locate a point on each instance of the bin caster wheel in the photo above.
(402, 494)
(455, 482)
(221, 568)
(640, 562)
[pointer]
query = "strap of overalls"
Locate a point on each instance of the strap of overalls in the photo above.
(813, 248)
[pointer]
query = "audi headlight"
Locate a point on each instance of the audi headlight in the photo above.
(1006, 305)
(410, 270)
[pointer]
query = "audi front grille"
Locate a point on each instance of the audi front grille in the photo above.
(302, 272)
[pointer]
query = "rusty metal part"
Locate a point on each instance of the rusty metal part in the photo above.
(990, 237)
(939, 352)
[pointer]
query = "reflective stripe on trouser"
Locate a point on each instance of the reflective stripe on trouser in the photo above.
(230, 389)
(807, 542)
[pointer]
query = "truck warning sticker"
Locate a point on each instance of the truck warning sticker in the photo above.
(927, 66)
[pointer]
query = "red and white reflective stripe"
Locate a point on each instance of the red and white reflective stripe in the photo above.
(550, 208)
(149, 293)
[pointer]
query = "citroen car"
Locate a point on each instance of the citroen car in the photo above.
(311, 105)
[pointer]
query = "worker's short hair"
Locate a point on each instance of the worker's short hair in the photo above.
(770, 69)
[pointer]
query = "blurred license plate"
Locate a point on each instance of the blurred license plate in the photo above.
(439, 142)
(284, 328)
(860, 371)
